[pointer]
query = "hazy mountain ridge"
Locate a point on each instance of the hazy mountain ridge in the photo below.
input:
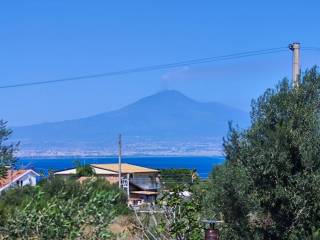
(164, 116)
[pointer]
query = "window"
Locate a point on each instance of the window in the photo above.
(19, 183)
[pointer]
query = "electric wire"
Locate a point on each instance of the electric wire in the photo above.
(310, 48)
(153, 67)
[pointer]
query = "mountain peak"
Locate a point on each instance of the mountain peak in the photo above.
(170, 93)
(166, 96)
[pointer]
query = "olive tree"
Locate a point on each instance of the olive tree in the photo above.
(269, 185)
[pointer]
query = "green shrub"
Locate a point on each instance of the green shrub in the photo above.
(14, 198)
(173, 177)
(62, 210)
(83, 170)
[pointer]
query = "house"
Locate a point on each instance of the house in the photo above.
(18, 178)
(141, 183)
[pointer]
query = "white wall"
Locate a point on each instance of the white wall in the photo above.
(27, 179)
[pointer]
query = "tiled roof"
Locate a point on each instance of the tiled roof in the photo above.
(11, 176)
(125, 168)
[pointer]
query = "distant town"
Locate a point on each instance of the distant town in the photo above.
(207, 147)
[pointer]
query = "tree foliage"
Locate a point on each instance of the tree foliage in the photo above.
(83, 170)
(7, 150)
(177, 215)
(269, 185)
(183, 219)
(172, 178)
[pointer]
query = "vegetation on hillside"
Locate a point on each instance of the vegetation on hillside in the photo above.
(268, 187)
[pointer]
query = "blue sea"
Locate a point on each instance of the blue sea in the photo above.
(203, 165)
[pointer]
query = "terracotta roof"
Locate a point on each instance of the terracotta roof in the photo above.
(125, 168)
(12, 175)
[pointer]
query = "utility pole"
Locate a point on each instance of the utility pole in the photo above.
(119, 160)
(295, 48)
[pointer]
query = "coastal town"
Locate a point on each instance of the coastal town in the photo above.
(206, 147)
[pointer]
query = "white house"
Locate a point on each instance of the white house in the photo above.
(18, 178)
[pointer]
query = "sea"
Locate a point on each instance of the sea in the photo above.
(203, 165)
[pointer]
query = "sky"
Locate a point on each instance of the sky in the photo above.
(45, 40)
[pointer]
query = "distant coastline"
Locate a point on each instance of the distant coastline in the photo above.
(115, 156)
(203, 164)
(56, 154)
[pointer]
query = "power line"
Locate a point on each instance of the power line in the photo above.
(311, 48)
(153, 67)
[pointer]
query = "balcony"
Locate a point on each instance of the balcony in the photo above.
(146, 183)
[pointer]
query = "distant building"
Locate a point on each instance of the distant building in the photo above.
(141, 183)
(18, 178)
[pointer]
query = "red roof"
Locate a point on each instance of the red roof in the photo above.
(11, 175)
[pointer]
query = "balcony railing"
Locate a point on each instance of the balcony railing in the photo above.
(145, 183)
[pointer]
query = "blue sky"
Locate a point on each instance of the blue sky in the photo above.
(44, 40)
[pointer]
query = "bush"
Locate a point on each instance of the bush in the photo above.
(14, 198)
(53, 185)
(172, 178)
(83, 170)
(63, 210)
